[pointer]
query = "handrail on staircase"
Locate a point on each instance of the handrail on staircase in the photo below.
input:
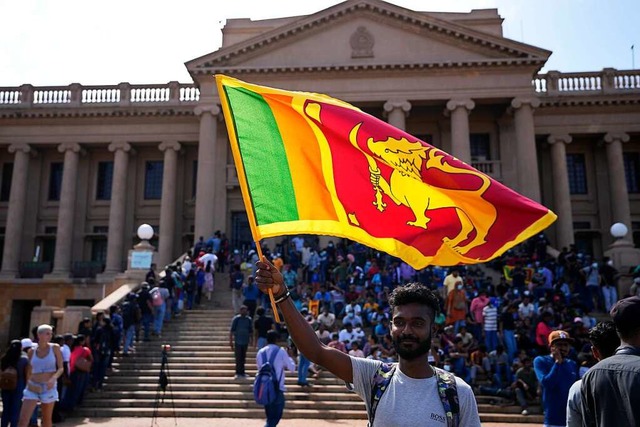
(118, 296)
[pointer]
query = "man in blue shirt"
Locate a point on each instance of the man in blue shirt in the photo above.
(556, 375)
(250, 292)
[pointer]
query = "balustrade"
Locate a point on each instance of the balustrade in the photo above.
(488, 167)
(608, 80)
(95, 95)
(76, 95)
(51, 95)
(9, 95)
(627, 79)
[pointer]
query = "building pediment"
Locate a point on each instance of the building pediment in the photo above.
(365, 34)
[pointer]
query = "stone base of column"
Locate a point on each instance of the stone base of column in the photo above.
(57, 275)
(107, 276)
(9, 275)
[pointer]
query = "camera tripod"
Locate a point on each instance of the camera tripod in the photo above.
(164, 383)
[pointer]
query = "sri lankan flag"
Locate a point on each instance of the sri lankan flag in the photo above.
(311, 164)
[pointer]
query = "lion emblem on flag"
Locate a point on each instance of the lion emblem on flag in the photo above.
(406, 187)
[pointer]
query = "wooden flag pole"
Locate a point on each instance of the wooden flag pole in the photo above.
(276, 316)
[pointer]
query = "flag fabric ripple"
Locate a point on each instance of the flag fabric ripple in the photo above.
(311, 164)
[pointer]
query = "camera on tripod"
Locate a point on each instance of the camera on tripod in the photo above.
(164, 381)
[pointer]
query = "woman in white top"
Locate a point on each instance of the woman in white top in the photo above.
(44, 369)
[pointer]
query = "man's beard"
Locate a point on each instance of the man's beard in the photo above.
(421, 349)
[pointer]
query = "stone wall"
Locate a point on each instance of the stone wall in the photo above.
(50, 295)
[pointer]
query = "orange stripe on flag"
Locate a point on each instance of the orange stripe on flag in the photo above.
(303, 153)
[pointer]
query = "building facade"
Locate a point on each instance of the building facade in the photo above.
(83, 166)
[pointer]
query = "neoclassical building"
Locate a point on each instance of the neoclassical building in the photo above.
(82, 166)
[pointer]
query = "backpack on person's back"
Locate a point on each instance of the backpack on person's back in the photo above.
(266, 386)
(447, 390)
(156, 298)
(9, 378)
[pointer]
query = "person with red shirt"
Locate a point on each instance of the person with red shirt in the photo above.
(543, 329)
(79, 378)
(477, 304)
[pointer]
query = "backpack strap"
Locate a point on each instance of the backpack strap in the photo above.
(448, 392)
(272, 360)
(381, 381)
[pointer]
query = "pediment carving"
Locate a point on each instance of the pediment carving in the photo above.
(362, 42)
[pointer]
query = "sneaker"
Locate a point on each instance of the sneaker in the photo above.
(525, 412)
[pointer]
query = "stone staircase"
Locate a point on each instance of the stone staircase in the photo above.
(201, 368)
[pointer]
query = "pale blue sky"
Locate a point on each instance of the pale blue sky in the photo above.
(47, 42)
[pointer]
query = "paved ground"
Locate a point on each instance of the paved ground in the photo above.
(223, 422)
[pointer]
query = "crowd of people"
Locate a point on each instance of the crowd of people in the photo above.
(490, 332)
(491, 328)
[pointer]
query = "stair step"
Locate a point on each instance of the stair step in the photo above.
(217, 395)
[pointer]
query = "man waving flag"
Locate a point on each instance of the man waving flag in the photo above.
(311, 164)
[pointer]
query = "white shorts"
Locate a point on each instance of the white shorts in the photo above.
(45, 396)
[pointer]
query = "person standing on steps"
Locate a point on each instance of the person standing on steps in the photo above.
(396, 395)
(610, 389)
(240, 338)
(556, 373)
(604, 342)
(281, 362)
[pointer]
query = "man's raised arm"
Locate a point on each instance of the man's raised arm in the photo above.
(339, 363)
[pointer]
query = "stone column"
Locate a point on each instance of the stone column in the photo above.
(620, 210)
(17, 206)
(561, 193)
(460, 144)
(526, 154)
(118, 207)
(205, 187)
(66, 211)
(397, 111)
(221, 193)
(168, 203)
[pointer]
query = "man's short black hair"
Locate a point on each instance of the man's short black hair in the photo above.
(604, 337)
(414, 293)
(260, 311)
(272, 337)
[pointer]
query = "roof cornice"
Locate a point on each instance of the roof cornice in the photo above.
(492, 63)
(49, 112)
(588, 101)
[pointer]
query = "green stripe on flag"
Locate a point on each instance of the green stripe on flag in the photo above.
(263, 156)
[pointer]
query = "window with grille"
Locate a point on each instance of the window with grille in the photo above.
(99, 249)
(55, 180)
(153, 180)
(631, 171)
(577, 171)
(5, 186)
(480, 144)
(104, 181)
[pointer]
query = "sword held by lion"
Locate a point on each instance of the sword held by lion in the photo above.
(407, 158)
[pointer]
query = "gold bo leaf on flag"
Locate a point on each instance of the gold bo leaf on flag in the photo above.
(311, 164)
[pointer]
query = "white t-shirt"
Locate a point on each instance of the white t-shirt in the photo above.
(66, 353)
(209, 257)
(281, 362)
(526, 310)
(410, 402)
